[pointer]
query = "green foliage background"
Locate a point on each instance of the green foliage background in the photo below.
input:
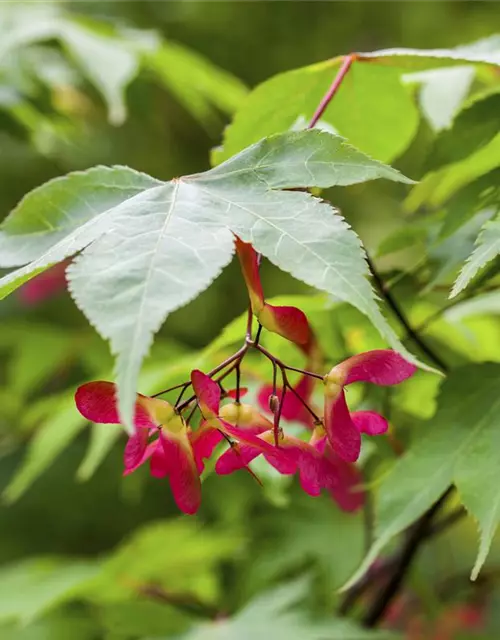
(87, 554)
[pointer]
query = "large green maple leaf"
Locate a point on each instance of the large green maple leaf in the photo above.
(148, 247)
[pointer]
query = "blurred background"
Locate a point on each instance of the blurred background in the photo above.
(67, 517)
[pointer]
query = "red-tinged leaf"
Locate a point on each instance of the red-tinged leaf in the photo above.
(159, 465)
(345, 481)
(207, 392)
(135, 449)
(341, 431)
(289, 322)
(96, 401)
(370, 422)
(203, 442)
(381, 366)
(46, 285)
(236, 458)
(250, 267)
(150, 449)
(278, 457)
(182, 472)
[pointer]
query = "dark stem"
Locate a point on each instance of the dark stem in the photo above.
(334, 87)
(183, 391)
(391, 301)
(191, 414)
(237, 356)
(315, 417)
(184, 602)
(257, 336)
(177, 386)
(238, 380)
(311, 374)
(416, 535)
(381, 570)
(277, 415)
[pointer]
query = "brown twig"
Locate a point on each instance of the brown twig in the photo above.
(416, 535)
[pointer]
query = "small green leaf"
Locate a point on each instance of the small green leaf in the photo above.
(456, 444)
(488, 247)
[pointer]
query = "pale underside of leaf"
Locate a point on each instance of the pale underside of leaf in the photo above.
(486, 50)
(63, 215)
(154, 259)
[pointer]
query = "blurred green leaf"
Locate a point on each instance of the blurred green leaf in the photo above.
(473, 128)
(49, 441)
(178, 556)
(440, 185)
(106, 61)
(465, 421)
(197, 83)
(482, 194)
(39, 353)
(481, 304)
(372, 109)
(31, 587)
(405, 237)
(133, 619)
(58, 626)
(275, 615)
(301, 535)
(102, 439)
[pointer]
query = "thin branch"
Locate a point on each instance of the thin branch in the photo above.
(383, 567)
(236, 356)
(237, 369)
(416, 536)
(315, 417)
(177, 386)
(184, 602)
(304, 372)
(393, 304)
